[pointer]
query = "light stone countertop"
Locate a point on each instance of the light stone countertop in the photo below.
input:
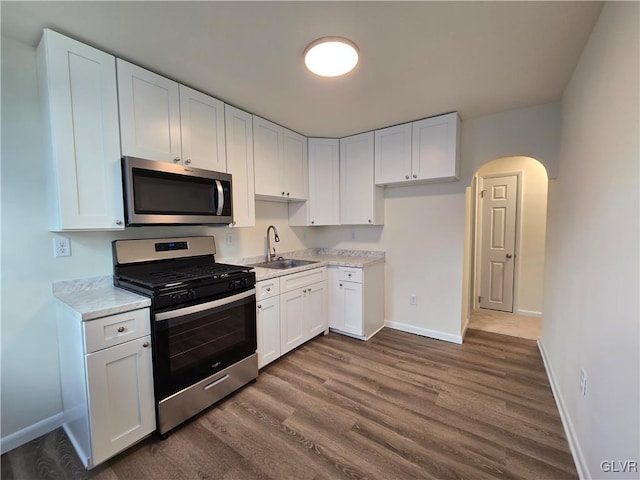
(323, 257)
(97, 297)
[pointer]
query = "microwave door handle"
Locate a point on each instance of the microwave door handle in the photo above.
(220, 198)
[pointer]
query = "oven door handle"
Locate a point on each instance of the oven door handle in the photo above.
(201, 307)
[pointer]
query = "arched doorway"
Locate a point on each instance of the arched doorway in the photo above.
(504, 261)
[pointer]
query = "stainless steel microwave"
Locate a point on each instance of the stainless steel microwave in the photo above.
(159, 193)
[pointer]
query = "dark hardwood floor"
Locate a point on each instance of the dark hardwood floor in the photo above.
(400, 406)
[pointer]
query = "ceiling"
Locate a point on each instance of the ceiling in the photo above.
(418, 59)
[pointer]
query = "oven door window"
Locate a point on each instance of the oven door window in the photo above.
(191, 347)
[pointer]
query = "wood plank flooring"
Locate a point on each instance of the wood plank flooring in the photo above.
(400, 406)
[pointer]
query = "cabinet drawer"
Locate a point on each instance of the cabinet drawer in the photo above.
(267, 288)
(302, 279)
(350, 274)
(115, 329)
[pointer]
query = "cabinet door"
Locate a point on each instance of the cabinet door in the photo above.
(239, 138)
(352, 307)
(295, 173)
(78, 86)
(149, 114)
(361, 202)
(293, 320)
(324, 181)
(121, 403)
(268, 318)
(393, 154)
(267, 153)
(202, 127)
(316, 306)
(434, 153)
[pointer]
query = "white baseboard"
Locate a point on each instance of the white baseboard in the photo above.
(572, 437)
(14, 440)
(425, 332)
(528, 313)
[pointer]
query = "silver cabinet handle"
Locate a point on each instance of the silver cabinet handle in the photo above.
(121, 329)
(176, 160)
(415, 175)
(118, 222)
(407, 177)
(509, 255)
(187, 161)
(146, 344)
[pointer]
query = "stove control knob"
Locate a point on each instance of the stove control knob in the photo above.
(175, 298)
(243, 282)
(232, 285)
(191, 294)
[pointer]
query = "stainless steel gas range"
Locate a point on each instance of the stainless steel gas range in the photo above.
(203, 321)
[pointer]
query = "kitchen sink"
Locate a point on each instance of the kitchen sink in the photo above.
(283, 264)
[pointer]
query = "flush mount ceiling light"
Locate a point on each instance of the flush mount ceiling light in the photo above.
(331, 56)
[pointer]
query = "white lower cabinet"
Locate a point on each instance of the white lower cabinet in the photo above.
(356, 300)
(107, 382)
(290, 310)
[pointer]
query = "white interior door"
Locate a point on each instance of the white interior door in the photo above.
(498, 233)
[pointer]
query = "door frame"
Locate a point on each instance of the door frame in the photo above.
(477, 234)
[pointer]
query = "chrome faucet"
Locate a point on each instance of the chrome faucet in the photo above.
(271, 256)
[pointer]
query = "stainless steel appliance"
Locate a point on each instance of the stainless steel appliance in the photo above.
(203, 321)
(160, 193)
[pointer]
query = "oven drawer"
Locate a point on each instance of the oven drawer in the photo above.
(302, 279)
(115, 329)
(267, 288)
(350, 274)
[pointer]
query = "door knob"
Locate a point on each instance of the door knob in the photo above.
(509, 255)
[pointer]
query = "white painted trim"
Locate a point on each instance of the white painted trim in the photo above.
(15, 439)
(572, 437)
(381, 327)
(528, 313)
(425, 332)
(464, 329)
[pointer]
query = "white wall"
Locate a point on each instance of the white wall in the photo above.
(532, 222)
(30, 376)
(591, 315)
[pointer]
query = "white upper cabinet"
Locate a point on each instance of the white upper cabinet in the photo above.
(149, 114)
(280, 157)
(361, 201)
(202, 127)
(418, 152)
(239, 135)
(295, 165)
(78, 87)
(164, 121)
(393, 154)
(434, 152)
(323, 206)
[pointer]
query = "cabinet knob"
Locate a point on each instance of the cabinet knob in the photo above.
(282, 193)
(121, 329)
(268, 289)
(118, 222)
(187, 161)
(146, 344)
(233, 223)
(312, 222)
(369, 220)
(349, 275)
(340, 284)
(176, 160)
(415, 175)
(259, 306)
(287, 194)
(407, 177)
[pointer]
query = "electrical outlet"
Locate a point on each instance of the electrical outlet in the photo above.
(61, 247)
(583, 382)
(353, 234)
(413, 299)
